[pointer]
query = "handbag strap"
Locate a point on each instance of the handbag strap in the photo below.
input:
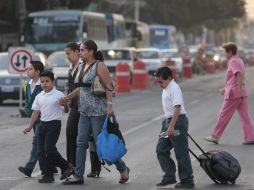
(82, 72)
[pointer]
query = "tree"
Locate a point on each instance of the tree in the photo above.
(181, 13)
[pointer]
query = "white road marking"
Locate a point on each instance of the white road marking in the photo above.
(143, 125)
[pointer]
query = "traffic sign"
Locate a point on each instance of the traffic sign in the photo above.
(19, 58)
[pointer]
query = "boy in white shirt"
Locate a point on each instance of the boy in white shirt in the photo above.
(175, 121)
(46, 104)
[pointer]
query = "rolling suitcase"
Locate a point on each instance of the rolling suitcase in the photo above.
(219, 165)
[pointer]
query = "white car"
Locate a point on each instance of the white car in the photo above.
(113, 56)
(151, 57)
(173, 54)
(60, 66)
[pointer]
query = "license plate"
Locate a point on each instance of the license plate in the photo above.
(7, 89)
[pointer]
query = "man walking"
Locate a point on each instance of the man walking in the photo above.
(176, 121)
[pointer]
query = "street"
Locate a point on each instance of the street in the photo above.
(139, 114)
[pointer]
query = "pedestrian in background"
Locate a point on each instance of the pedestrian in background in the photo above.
(200, 61)
(93, 109)
(46, 104)
(176, 126)
(72, 54)
(33, 88)
(235, 98)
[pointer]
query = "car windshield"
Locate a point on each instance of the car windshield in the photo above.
(4, 62)
(168, 54)
(58, 60)
(116, 54)
(147, 54)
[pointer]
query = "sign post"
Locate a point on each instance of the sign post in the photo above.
(19, 59)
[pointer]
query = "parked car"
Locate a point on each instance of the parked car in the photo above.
(10, 82)
(174, 55)
(60, 66)
(151, 57)
(113, 56)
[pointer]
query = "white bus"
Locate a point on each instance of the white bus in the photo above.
(137, 33)
(50, 30)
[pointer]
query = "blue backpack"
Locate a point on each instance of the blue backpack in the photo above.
(110, 145)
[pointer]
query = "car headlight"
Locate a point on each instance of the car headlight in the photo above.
(216, 58)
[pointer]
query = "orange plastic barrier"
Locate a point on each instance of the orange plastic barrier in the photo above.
(210, 67)
(172, 65)
(187, 68)
(123, 77)
(140, 78)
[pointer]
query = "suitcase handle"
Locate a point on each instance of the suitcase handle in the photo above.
(204, 153)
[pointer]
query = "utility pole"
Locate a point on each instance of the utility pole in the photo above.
(137, 6)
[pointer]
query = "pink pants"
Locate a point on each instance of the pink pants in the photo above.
(227, 110)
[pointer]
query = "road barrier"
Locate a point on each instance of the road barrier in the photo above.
(187, 68)
(140, 79)
(172, 65)
(122, 74)
(210, 67)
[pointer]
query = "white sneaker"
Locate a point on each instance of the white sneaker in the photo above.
(211, 139)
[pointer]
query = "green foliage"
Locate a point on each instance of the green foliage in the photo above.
(186, 13)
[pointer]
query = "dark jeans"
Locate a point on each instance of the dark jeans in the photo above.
(71, 135)
(180, 145)
(48, 154)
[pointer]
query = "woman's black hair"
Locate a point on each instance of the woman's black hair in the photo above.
(91, 45)
(73, 46)
(163, 72)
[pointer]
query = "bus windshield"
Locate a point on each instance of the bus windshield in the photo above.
(159, 38)
(53, 29)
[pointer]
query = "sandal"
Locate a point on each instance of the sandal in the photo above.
(125, 179)
(72, 180)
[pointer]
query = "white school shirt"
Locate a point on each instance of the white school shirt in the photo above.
(172, 96)
(47, 104)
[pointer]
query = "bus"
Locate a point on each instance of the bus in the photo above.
(162, 36)
(137, 33)
(116, 30)
(50, 30)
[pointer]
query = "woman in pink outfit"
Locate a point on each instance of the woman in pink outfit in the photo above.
(235, 98)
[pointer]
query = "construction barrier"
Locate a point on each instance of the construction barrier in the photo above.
(187, 68)
(172, 65)
(210, 67)
(122, 74)
(140, 78)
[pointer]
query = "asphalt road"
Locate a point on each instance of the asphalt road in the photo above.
(139, 114)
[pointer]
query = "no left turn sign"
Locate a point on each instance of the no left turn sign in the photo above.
(19, 58)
